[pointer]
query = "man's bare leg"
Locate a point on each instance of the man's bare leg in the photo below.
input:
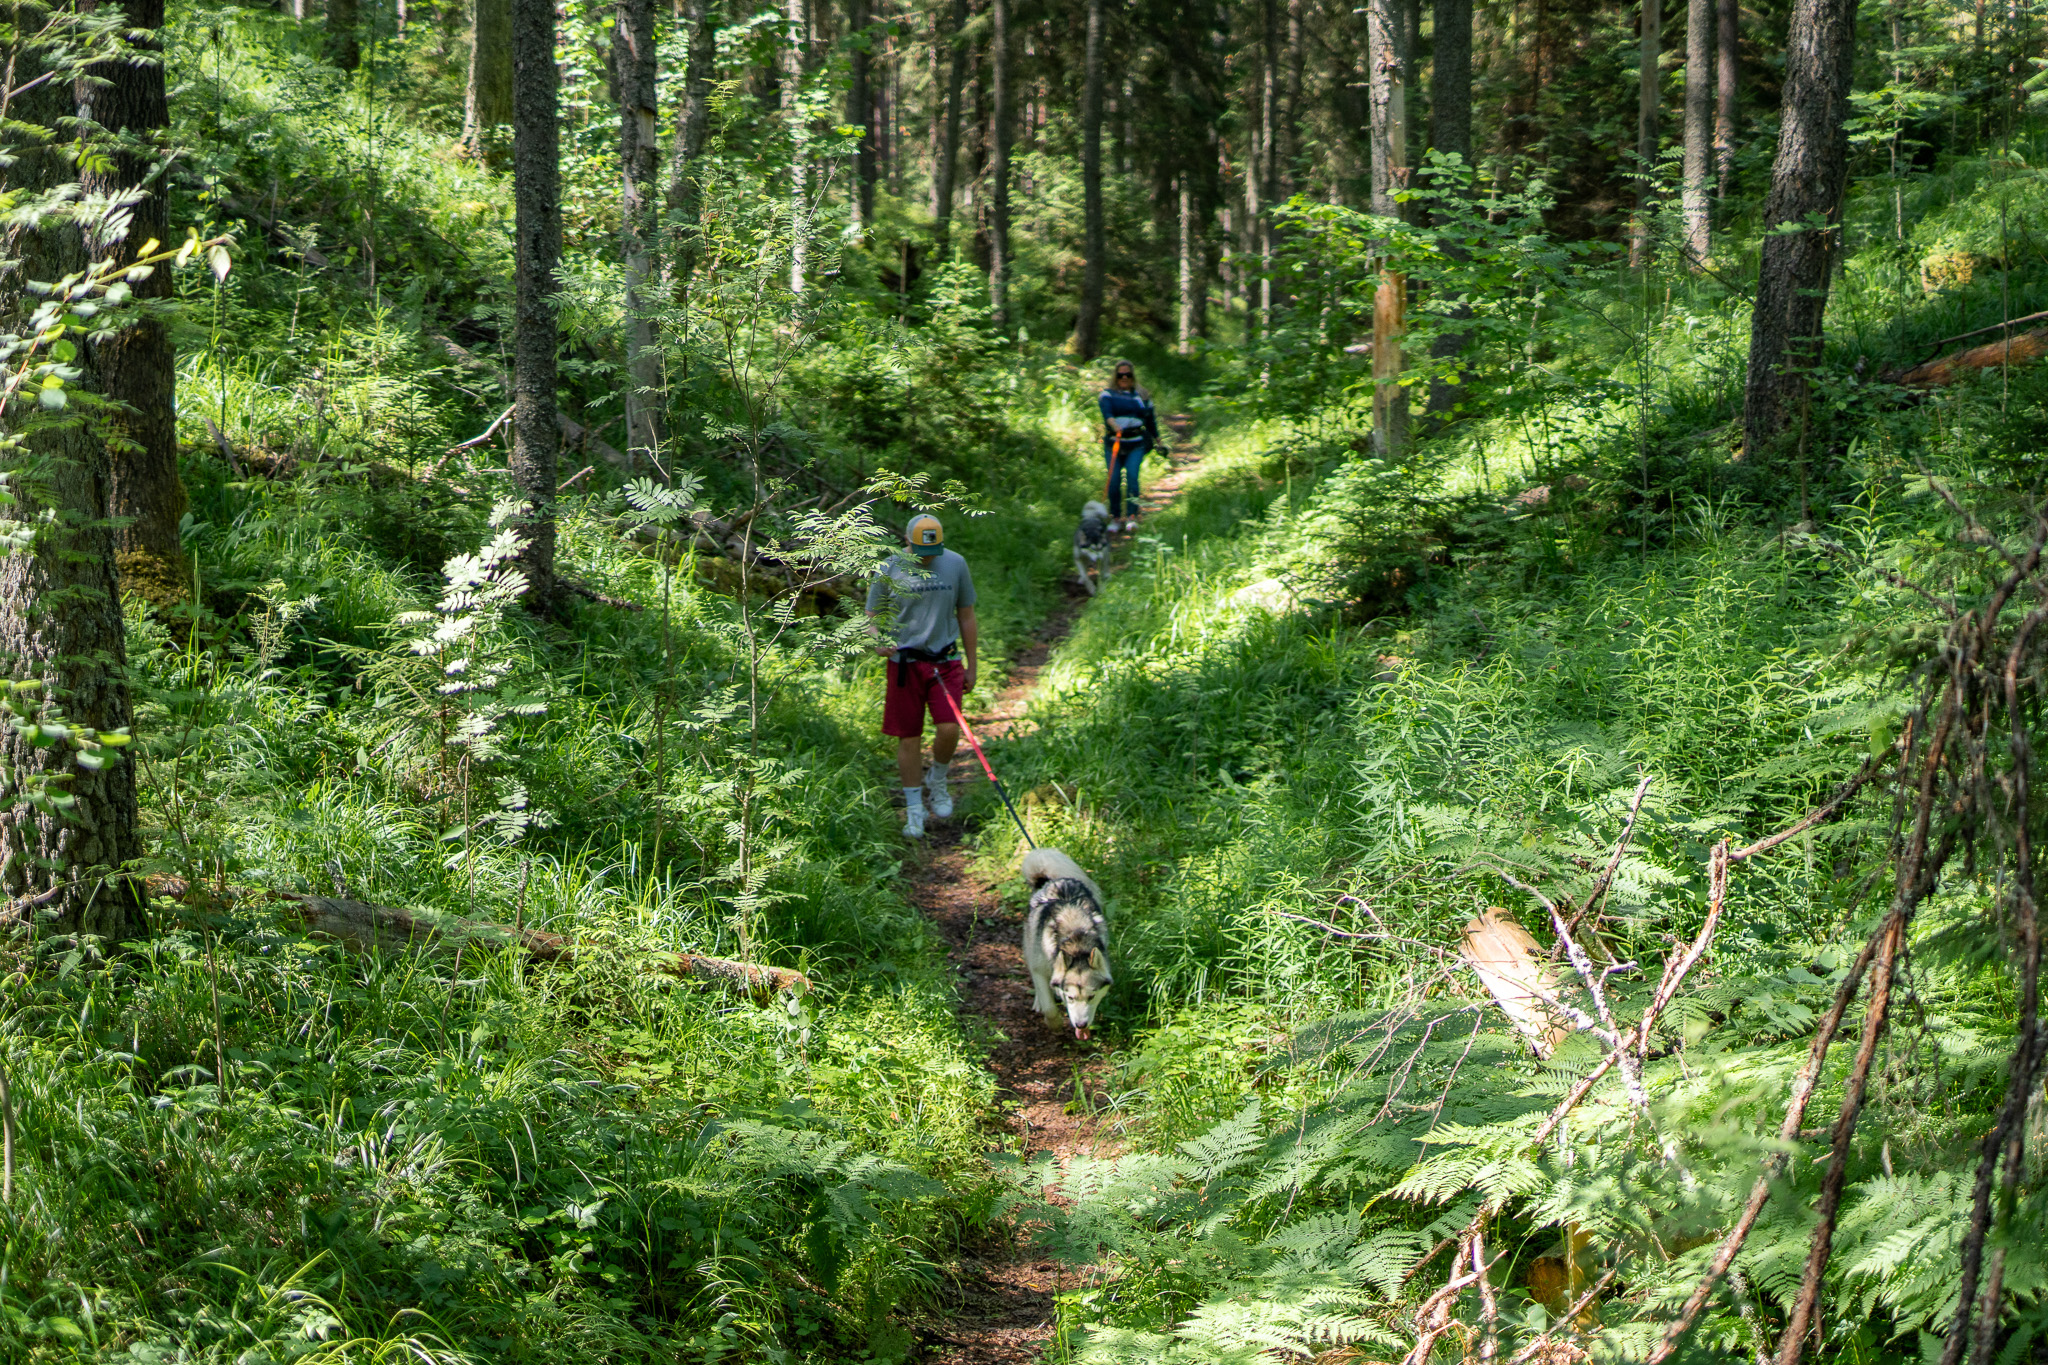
(945, 739)
(910, 757)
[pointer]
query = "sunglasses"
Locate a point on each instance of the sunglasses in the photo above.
(1125, 374)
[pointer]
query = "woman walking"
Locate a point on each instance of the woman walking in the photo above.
(1129, 428)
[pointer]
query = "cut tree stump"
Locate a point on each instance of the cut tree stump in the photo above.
(384, 927)
(1948, 369)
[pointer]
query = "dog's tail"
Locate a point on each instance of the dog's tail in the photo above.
(1042, 865)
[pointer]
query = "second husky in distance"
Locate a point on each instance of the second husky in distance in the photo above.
(1091, 545)
(1066, 940)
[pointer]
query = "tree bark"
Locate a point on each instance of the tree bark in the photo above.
(1450, 132)
(946, 152)
(1699, 107)
(1647, 100)
(860, 113)
(487, 95)
(536, 193)
(633, 78)
(1275, 140)
(60, 611)
(136, 366)
(796, 71)
(1727, 56)
(1193, 281)
(1807, 180)
(1387, 65)
(1087, 338)
(344, 47)
(999, 166)
(685, 187)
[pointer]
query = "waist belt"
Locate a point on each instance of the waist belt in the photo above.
(907, 655)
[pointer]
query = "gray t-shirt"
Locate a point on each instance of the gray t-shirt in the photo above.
(925, 596)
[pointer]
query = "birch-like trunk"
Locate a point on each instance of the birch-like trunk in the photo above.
(999, 164)
(796, 68)
(1696, 194)
(633, 78)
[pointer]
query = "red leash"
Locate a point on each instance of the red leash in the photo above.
(960, 719)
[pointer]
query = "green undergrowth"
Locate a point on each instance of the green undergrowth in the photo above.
(1334, 709)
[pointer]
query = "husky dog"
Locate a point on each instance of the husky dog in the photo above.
(1066, 941)
(1091, 545)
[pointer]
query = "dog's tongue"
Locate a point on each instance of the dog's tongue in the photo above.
(1082, 1034)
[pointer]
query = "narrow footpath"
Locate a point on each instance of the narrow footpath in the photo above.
(1002, 1312)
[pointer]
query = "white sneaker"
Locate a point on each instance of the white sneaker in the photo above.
(913, 823)
(938, 798)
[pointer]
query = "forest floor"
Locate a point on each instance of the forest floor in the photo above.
(1048, 1083)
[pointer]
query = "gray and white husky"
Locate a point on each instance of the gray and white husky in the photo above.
(1091, 546)
(1066, 940)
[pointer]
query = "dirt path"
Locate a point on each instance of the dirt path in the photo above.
(1004, 1306)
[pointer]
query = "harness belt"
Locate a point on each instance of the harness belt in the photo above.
(907, 655)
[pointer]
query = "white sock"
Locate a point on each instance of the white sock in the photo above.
(942, 769)
(913, 798)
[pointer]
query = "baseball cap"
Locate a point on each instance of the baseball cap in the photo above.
(925, 535)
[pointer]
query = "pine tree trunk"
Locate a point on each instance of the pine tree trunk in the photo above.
(536, 194)
(1087, 338)
(946, 153)
(60, 612)
(487, 96)
(1699, 114)
(1647, 101)
(796, 70)
(1275, 140)
(1450, 132)
(860, 113)
(693, 120)
(999, 166)
(1807, 180)
(137, 365)
(1387, 65)
(344, 48)
(633, 78)
(1727, 58)
(1191, 262)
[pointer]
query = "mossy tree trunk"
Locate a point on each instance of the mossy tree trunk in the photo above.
(487, 97)
(60, 610)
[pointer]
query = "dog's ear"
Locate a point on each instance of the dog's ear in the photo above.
(1095, 958)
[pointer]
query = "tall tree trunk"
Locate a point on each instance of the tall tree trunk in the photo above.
(999, 166)
(796, 70)
(487, 96)
(344, 47)
(1699, 114)
(136, 365)
(1191, 263)
(633, 78)
(1647, 93)
(1087, 338)
(860, 113)
(1275, 140)
(1727, 57)
(685, 184)
(946, 151)
(1450, 132)
(60, 612)
(1387, 64)
(1807, 179)
(537, 225)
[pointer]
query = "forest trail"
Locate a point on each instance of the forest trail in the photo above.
(1002, 1313)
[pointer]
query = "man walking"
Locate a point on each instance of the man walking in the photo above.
(929, 594)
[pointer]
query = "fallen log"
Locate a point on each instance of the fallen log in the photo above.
(1949, 368)
(1508, 961)
(390, 928)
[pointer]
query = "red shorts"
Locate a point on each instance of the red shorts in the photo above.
(935, 687)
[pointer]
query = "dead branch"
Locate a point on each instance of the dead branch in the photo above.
(1949, 368)
(1628, 830)
(389, 928)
